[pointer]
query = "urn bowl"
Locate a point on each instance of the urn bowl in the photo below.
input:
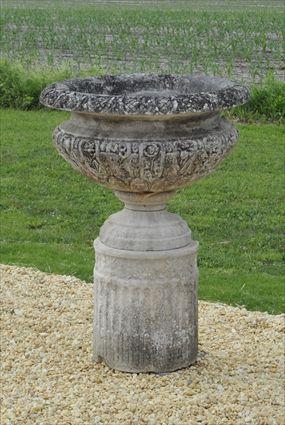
(145, 133)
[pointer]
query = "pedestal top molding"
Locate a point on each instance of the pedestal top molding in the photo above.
(140, 94)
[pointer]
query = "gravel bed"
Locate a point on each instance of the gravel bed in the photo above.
(49, 378)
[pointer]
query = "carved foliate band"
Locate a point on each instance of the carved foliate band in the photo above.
(146, 165)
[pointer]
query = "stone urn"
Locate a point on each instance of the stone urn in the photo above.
(145, 136)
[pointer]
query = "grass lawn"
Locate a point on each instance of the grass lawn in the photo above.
(51, 214)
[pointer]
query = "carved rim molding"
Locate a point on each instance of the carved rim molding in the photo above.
(140, 94)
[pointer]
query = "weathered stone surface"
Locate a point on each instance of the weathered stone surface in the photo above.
(145, 156)
(145, 226)
(144, 94)
(145, 315)
(145, 136)
(146, 279)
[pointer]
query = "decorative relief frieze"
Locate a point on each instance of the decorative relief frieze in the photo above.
(146, 165)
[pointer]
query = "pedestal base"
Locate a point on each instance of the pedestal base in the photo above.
(145, 308)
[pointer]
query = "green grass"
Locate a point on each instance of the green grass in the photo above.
(266, 103)
(50, 214)
(180, 37)
(20, 88)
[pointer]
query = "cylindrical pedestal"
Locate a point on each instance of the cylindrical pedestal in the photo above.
(145, 308)
(145, 317)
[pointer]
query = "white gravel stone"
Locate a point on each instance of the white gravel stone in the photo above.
(48, 376)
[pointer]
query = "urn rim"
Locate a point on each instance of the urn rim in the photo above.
(144, 94)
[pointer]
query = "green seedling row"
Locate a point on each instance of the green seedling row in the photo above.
(243, 43)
